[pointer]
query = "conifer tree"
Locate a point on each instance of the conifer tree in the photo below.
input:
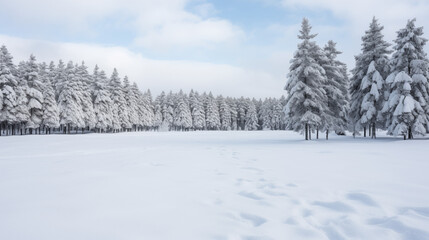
(336, 89)
(407, 108)
(8, 87)
(212, 113)
(102, 102)
(306, 101)
(50, 116)
(69, 101)
(368, 80)
(34, 93)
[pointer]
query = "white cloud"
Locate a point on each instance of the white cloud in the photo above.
(155, 23)
(158, 75)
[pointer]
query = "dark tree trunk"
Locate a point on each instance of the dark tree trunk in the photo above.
(327, 132)
(306, 131)
(364, 131)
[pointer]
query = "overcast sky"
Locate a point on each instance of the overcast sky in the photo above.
(229, 47)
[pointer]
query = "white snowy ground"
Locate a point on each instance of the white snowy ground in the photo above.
(212, 185)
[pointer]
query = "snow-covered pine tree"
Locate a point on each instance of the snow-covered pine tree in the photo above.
(251, 116)
(224, 114)
(367, 81)
(132, 101)
(119, 110)
(85, 81)
(102, 102)
(266, 114)
(197, 111)
(168, 111)
(147, 115)
(69, 101)
(233, 112)
(22, 112)
(336, 89)
(408, 105)
(60, 78)
(306, 101)
(50, 117)
(158, 111)
(182, 116)
(8, 96)
(212, 113)
(34, 94)
(241, 113)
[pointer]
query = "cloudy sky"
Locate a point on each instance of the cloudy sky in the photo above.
(229, 47)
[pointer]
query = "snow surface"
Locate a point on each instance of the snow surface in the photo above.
(213, 185)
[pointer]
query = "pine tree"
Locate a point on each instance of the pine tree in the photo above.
(367, 81)
(50, 116)
(120, 115)
(158, 111)
(224, 114)
(197, 111)
(306, 101)
(182, 116)
(85, 81)
(69, 101)
(407, 108)
(34, 93)
(336, 89)
(8, 87)
(60, 79)
(132, 100)
(251, 116)
(102, 102)
(212, 113)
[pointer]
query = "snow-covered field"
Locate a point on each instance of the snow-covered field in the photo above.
(212, 185)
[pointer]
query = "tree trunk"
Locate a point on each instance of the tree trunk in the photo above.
(410, 133)
(309, 132)
(327, 132)
(306, 131)
(374, 135)
(364, 131)
(317, 133)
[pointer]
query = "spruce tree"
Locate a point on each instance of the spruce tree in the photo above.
(8, 87)
(102, 102)
(197, 111)
(368, 81)
(407, 107)
(69, 101)
(336, 89)
(34, 93)
(51, 118)
(306, 101)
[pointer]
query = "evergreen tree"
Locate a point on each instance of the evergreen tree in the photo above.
(182, 117)
(224, 114)
(306, 101)
(251, 116)
(8, 87)
(34, 93)
(336, 89)
(131, 99)
(119, 112)
(50, 116)
(212, 113)
(407, 108)
(367, 81)
(102, 102)
(69, 100)
(197, 111)
(85, 81)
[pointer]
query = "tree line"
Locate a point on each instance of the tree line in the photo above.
(37, 98)
(386, 91)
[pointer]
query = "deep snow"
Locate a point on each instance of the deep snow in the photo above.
(212, 185)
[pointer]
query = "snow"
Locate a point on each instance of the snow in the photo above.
(213, 185)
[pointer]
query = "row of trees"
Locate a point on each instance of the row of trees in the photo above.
(389, 92)
(40, 98)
